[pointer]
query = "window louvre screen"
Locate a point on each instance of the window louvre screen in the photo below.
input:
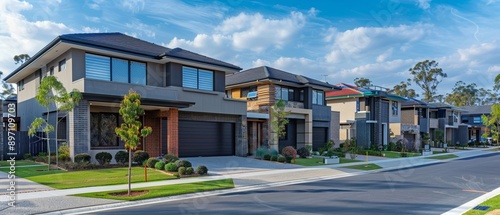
(97, 67)
(206, 80)
(189, 77)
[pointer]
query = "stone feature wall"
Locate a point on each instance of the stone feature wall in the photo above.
(79, 137)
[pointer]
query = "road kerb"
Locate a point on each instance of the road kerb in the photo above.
(473, 203)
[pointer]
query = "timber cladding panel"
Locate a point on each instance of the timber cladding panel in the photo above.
(266, 95)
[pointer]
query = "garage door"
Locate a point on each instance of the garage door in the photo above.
(206, 138)
(319, 137)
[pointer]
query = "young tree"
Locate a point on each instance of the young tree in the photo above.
(427, 76)
(52, 92)
(497, 83)
(402, 89)
(130, 130)
(21, 58)
(362, 82)
(493, 121)
(279, 120)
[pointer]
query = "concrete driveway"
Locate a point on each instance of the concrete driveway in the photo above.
(223, 165)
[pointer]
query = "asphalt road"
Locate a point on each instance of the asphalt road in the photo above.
(431, 189)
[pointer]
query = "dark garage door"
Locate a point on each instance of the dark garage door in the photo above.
(319, 137)
(206, 138)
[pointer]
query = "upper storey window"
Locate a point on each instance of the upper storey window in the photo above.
(197, 78)
(318, 97)
(114, 69)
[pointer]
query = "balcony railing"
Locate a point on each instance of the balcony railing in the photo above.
(410, 128)
(434, 123)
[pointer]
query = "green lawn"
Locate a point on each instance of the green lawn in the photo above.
(18, 163)
(369, 166)
(443, 157)
(438, 152)
(494, 203)
(166, 190)
(27, 172)
(319, 161)
(64, 180)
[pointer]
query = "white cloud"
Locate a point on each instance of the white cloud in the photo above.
(365, 41)
(424, 4)
(493, 69)
(87, 29)
(143, 29)
(21, 36)
(245, 32)
(379, 72)
(312, 12)
(385, 55)
(92, 19)
(95, 4)
(133, 5)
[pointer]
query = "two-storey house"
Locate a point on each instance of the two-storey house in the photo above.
(416, 119)
(471, 116)
(182, 95)
(310, 120)
(449, 122)
(369, 115)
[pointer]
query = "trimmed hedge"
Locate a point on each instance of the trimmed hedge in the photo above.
(170, 158)
(190, 170)
(152, 162)
(103, 157)
(160, 165)
(201, 170)
(83, 157)
(171, 167)
(140, 156)
(121, 157)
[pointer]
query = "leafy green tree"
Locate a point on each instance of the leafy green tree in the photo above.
(52, 92)
(279, 120)
(21, 58)
(463, 94)
(493, 122)
(130, 130)
(486, 97)
(7, 89)
(427, 76)
(402, 89)
(497, 83)
(362, 82)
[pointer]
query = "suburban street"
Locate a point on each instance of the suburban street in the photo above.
(431, 189)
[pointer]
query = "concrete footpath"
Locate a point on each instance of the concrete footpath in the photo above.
(45, 199)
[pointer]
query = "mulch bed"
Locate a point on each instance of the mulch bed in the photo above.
(132, 193)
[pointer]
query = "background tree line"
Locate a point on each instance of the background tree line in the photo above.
(427, 75)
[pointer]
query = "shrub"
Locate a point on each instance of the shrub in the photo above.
(281, 159)
(303, 152)
(182, 170)
(201, 170)
(27, 156)
(404, 154)
(177, 175)
(189, 171)
(260, 152)
(64, 149)
(274, 157)
(160, 165)
(121, 157)
(42, 159)
(288, 159)
(328, 145)
(289, 152)
(42, 154)
(169, 158)
(183, 163)
(273, 152)
(52, 159)
(171, 167)
(82, 158)
(267, 157)
(140, 156)
(64, 157)
(330, 153)
(103, 157)
(152, 162)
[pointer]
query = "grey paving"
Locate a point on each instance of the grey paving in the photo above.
(47, 204)
(224, 165)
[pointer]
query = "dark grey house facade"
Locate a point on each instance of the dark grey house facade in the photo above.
(182, 94)
(472, 117)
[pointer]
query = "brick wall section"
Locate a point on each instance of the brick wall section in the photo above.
(173, 131)
(79, 129)
(152, 143)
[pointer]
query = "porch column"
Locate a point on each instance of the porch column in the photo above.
(173, 131)
(79, 129)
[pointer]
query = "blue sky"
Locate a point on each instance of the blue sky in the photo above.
(335, 41)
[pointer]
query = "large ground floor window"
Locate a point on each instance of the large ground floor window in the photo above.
(102, 130)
